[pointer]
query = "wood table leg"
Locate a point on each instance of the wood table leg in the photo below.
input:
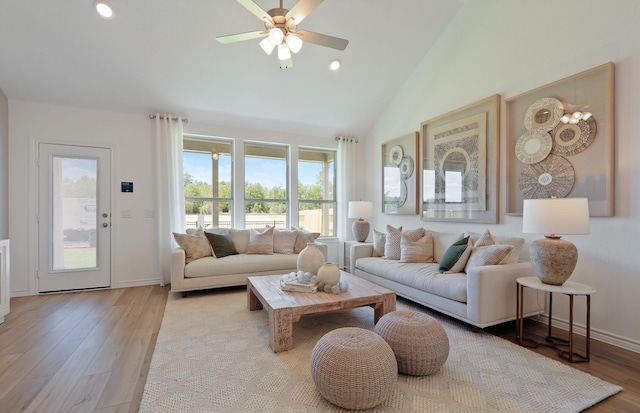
(281, 329)
(388, 305)
(253, 303)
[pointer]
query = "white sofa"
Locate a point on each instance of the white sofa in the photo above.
(482, 296)
(211, 272)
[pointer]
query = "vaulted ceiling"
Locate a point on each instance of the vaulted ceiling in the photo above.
(161, 55)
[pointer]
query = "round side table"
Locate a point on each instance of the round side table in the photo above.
(570, 289)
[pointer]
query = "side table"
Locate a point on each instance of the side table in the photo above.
(347, 254)
(570, 289)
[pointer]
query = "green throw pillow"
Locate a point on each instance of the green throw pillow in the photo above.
(222, 244)
(453, 254)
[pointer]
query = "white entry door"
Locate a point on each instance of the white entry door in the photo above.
(74, 217)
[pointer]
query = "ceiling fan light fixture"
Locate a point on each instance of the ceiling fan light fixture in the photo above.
(276, 36)
(267, 46)
(104, 9)
(294, 42)
(286, 64)
(283, 52)
(335, 64)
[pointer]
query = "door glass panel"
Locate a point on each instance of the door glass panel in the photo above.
(74, 206)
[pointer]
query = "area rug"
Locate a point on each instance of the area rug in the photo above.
(213, 355)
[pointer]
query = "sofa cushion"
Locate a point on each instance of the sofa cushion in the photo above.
(489, 255)
(195, 246)
(222, 244)
(284, 240)
(260, 241)
(240, 264)
(442, 241)
(416, 251)
(240, 239)
(379, 239)
(303, 238)
(424, 277)
(455, 257)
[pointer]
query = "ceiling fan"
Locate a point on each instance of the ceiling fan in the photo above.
(281, 30)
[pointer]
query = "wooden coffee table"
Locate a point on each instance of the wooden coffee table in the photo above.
(285, 307)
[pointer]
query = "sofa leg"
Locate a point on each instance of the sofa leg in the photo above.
(184, 294)
(476, 329)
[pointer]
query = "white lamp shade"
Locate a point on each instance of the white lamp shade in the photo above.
(558, 216)
(283, 52)
(360, 209)
(276, 36)
(267, 45)
(294, 42)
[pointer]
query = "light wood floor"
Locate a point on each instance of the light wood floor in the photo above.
(90, 352)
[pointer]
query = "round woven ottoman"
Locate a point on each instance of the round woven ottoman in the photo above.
(354, 368)
(420, 344)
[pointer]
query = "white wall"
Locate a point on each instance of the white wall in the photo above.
(509, 47)
(131, 136)
(4, 166)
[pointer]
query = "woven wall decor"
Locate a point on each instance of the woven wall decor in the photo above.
(406, 167)
(545, 113)
(570, 139)
(396, 153)
(533, 146)
(554, 176)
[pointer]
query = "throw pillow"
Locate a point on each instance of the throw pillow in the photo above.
(416, 251)
(240, 239)
(194, 246)
(261, 241)
(442, 241)
(393, 237)
(485, 239)
(222, 244)
(284, 240)
(455, 257)
(379, 238)
(518, 244)
(488, 255)
(303, 238)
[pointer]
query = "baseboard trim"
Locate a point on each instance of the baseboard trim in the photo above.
(137, 283)
(596, 334)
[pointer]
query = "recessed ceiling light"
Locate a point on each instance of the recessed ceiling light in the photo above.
(334, 64)
(104, 9)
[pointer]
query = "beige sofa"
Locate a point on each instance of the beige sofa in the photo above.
(481, 295)
(211, 272)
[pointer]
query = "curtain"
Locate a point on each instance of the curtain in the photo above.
(169, 189)
(347, 182)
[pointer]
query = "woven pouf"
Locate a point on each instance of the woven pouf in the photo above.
(354, 368)
(419, 342)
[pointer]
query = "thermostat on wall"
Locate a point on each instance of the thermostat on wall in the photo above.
(127, 186)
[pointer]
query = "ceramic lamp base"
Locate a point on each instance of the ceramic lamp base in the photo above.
(360, 230)
(553, 259)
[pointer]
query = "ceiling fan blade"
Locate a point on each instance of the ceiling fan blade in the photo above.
(323, 39)
(241, 36)
(256, 10)
(301, 10)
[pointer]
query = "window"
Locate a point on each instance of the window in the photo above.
(208, 182)
(266, 194)
(316, 195)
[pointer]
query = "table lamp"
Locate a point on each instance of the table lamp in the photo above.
(554, 259)
(360, 210)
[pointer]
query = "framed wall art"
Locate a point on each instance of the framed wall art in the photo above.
(560, 141)
(400, 175)
(460, 152)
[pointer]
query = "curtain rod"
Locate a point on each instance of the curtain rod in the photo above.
(347, 138)
(184, 120)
